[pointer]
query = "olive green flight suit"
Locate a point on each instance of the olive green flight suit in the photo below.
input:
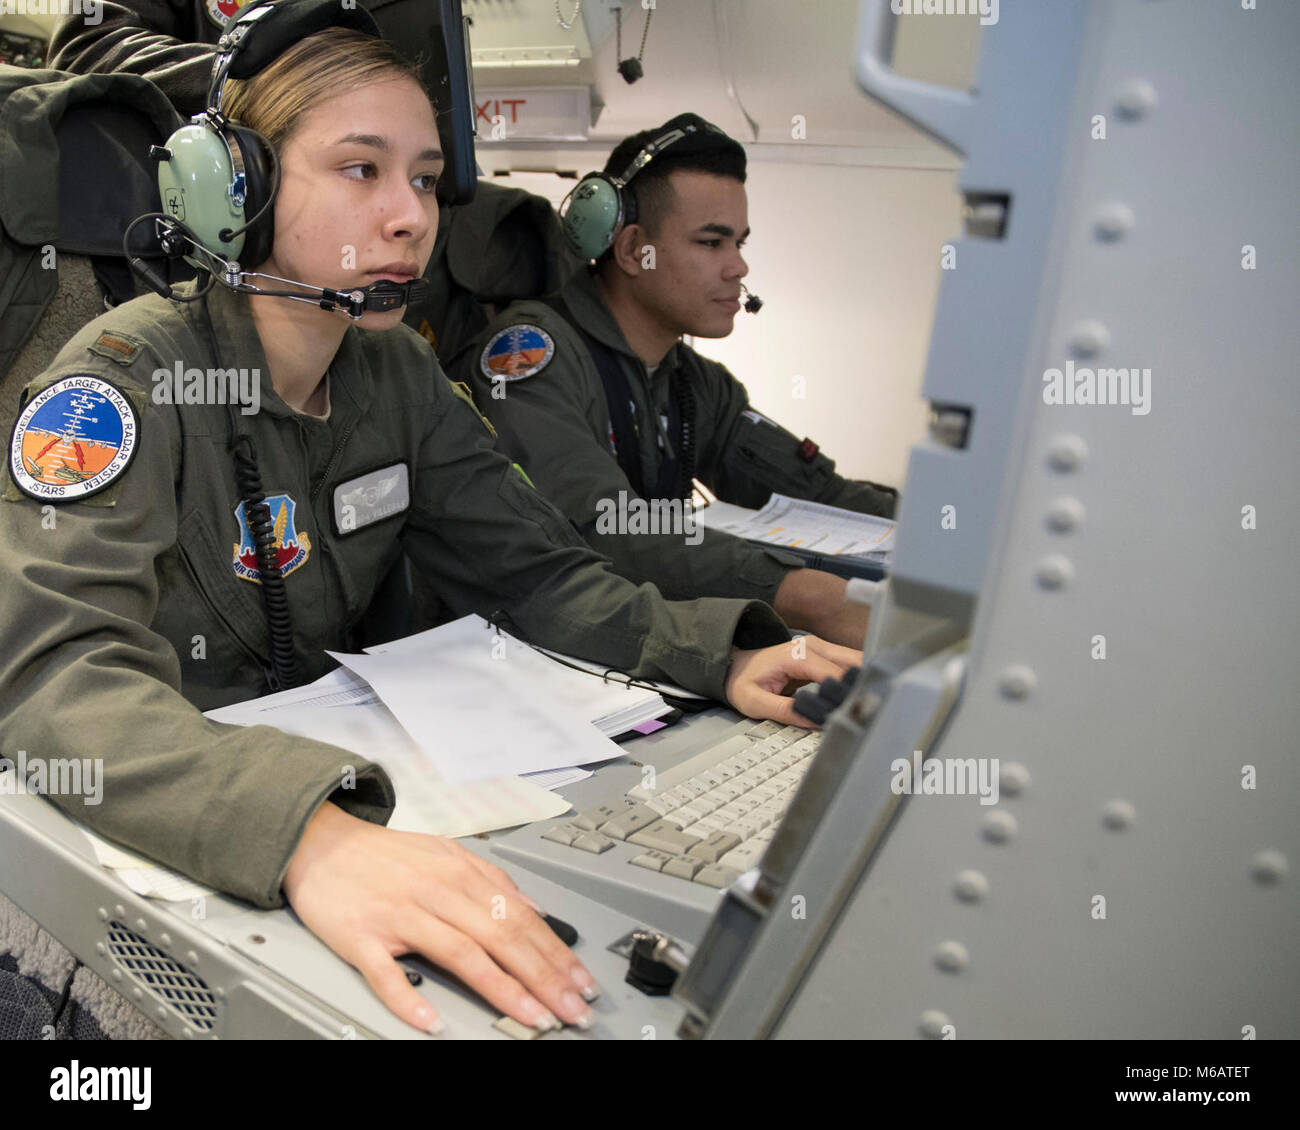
(128, 616)
(556, 423)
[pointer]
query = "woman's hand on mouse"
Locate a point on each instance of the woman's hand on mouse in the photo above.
(372, 894)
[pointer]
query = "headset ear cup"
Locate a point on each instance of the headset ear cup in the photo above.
(259, 238)
(592, 215)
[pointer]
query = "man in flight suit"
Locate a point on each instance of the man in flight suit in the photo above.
(539, 376)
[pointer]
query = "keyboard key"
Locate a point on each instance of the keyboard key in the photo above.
(661, 804)
(629, 820)
(711, 823)
(652, 860)
(764, 729)
(709, 802)
(562, 834)
(593, 818)
(718, 876)
(663, 837)
(726, 791)
(682, 795)
(685, 815)
(593, 842)
(744, 857)
(683, 866)
(712, 849)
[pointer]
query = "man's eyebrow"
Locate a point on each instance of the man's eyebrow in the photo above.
(724, 230)
(376, 142)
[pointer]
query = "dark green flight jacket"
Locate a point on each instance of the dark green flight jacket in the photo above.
(128, 616)
(556, 424)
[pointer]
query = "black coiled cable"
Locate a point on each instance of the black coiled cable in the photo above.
(248, 480)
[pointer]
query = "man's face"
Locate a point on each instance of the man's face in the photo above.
(356, 202)
(695, 284)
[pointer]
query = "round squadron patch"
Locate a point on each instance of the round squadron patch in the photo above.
(221, 12)
(73, 439)
(517, 352)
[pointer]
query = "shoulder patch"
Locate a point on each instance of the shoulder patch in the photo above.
(518, 351)
(73, 439)
(116, 347)
(221, 12)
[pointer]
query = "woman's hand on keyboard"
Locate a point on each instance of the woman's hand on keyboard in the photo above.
(372, 894)
(757, 678)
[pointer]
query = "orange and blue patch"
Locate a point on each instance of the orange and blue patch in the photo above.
(291, 546)
(517, 352)
(73, 439)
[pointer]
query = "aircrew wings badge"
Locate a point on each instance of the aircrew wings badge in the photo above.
(73, 439)
(517, 352)
(291, 547)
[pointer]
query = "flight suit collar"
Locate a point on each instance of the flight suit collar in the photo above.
(583, 296)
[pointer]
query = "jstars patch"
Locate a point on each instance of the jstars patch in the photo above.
(73, 439)
(291, 547)
(517, 352)
(221, 12)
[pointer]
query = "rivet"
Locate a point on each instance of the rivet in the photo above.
(219, 993)
(102, 914)
(1067, 453)
(1268, 866)
(933, 1022)
(1118, 815)
(951, 956)
(1064, 515)
(1113, 220)
(141, 926)
(971, 886)
(1136, 98)
(161, 1010)
(191, 958)
(164, 939)
(119, 911)
(999, 827)
(1017, 681)
(117, 975)
(189, 1033)
(1013, 778)
(101, 949)
(1054, 572)
(138, 993)
(1089, 338)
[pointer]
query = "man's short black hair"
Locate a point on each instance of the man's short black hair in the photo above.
(705, 149)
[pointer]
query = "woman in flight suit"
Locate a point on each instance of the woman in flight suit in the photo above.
(130, 591)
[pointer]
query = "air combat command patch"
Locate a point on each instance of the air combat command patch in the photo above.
(291, 547)
(221, 12)
(517, 352)
(73, 439)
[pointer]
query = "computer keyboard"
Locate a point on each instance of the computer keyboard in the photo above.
(708, 819)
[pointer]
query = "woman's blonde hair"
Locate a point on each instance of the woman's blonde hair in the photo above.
(321, 66)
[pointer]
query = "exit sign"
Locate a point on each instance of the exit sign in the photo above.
(542, 113)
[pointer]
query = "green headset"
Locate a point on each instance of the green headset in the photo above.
(217, 180)
(599, 206)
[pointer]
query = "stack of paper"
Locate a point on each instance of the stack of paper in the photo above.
(344, 711)
(810, 526)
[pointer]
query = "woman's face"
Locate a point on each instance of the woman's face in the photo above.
(356, 201)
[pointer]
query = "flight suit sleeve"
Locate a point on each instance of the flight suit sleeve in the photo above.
(155, 39)
(493, 545)
(82, 675)
(748, 457)
(552, 424)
